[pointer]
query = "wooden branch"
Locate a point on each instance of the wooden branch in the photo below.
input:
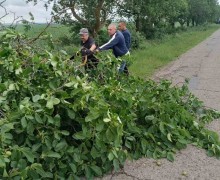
(41, 33)
(6, 13)
(72, 8)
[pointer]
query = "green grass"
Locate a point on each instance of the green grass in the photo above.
(157, 54)
(57, 31)
(54, 29)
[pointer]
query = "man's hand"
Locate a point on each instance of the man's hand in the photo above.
(86, 52)
(96, 51)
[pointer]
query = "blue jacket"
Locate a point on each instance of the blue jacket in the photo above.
(117, 44)
(127, 36)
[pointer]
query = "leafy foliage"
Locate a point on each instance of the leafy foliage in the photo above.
(91, 14)
(59, 123)
(158, 18)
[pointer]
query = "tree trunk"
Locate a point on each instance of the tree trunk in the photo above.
(137, 23)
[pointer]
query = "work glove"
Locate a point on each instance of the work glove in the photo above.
(73, 56)
(86, 52)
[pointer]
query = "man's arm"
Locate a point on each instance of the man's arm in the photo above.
(93, 47)
(112, 42)
(90, 50)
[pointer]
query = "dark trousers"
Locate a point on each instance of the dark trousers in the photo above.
(124, 68)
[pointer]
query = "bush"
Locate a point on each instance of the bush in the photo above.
(137, 38)
(59, 123)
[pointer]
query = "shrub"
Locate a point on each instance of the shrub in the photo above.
(59, 123)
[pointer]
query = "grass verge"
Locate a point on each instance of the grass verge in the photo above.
(157, 54)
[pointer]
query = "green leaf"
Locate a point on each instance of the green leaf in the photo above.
(110, 156)
(144, 145)
(97, 170)
(183, 141)
(169, 137)
(73, 167)
(18, 71)
(54, 63)
(30, 128)
(149, 154)
(162, 129)
(151, 117)
(24, 122)
(8, 136)
(5, 174)
(79, 136)
(69, 84)
(76, 157)
(52, 154)
(94, 153)
(51, 102)
(38, 118)
(35, 147)
(170, 156)
(40, 171)
(50, 120)
(7, 127)
(52, 85)
(99, 126)
(106, 120)
(71, 113)
(88, 172)
(36, 98)
(28, 154)
(109, 135)
(116, 164)
(2, 162)
(11, 87)
(92, 115)
(61, 146)
(65, 133)
(56, 101)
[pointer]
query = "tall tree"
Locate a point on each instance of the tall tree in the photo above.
(199, 11)
(175, 11)
(91, 14)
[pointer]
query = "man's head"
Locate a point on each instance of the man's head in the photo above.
(84, 34)
(122, 26)
(112, 29)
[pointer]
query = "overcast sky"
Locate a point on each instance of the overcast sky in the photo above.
(20, 8)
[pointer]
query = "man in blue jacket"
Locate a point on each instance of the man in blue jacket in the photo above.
(116, 43)
(127, 35)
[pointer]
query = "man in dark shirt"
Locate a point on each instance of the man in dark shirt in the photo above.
(116, 43)
(88, 46)
(126, 33)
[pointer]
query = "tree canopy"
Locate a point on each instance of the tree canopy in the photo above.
(147, 15)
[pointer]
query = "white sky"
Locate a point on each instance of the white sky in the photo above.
(20, 8)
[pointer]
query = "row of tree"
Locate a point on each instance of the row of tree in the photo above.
(147, 15)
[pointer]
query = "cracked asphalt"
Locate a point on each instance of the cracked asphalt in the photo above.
(201, 65)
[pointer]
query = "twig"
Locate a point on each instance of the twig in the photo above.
(40, 34)
(6, 13)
